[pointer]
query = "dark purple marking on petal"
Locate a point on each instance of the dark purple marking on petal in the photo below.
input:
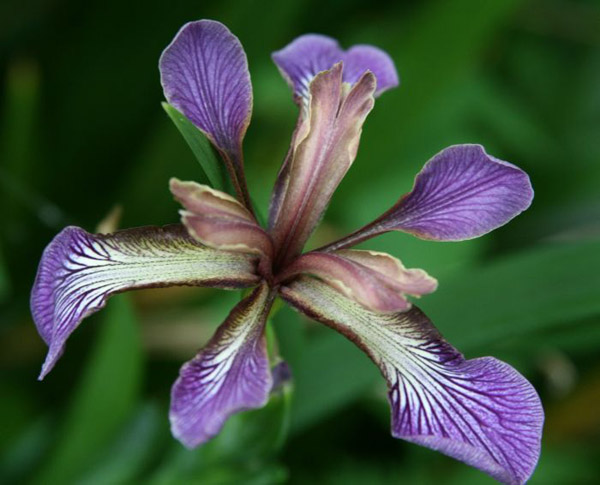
(230, 374)
(79, 271)
(479, 411)
(461, 193)
(282, 375)
(302, 59)
(204, 74)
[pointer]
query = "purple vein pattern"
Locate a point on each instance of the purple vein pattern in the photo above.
(79, 271)
(204, 73)
(230, 374)
(480, 411)
(305, 57)
(461, 193)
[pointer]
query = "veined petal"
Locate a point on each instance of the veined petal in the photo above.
(361, 58)
(322, 157)
(377, 281)
(218, 220)
(461, 193)
(204, 74)
(80, 271)
(479, 411)
(302, 59)
(230, 374)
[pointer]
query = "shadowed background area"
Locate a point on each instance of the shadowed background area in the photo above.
(82, 132)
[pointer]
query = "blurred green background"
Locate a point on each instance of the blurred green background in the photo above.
(82, 129)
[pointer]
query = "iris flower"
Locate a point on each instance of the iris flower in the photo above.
(480, 411)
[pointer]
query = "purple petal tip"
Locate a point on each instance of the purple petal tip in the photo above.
(302, 59)
(204, 74)
(461, 193)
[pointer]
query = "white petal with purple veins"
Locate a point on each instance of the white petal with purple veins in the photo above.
(79, 271)
(231, 374)
(480, 411)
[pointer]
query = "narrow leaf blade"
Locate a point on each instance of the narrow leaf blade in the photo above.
(200, 146)
(106, 396)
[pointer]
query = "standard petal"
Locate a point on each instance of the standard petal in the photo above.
(461, 193)
(231, 374)
(305, 57)
(375, 280)
(204, 74)
(321, 158)
(361, 58)
(479, 411)
(219, 221)
(79, 271)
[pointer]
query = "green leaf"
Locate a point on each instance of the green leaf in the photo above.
(131, 452)
(26, 451)
(332, 374)
(105, 398)
(244, 449)
(200, 145)
(4, 279)
(518, 295)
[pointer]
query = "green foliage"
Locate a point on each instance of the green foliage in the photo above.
(201, 147)
(544, 288)
(4, 279)
(243, 452)
(104, 399)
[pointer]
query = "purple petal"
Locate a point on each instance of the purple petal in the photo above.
(219, 221)
(360, 58)
(375, 280)
(204, 74)
(480, 411)
(461, 193)
(325, 151)
(229, 375)
(79, 271)
(282, 376)
(302, 59)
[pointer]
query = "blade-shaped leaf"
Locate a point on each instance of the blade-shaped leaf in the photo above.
(201, 148)
(522, 294)
(4, 279)
(127, 456)
(106, 396)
